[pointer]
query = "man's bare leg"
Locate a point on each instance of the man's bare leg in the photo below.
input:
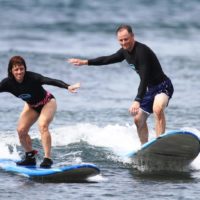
(142, 128)
(160, 103)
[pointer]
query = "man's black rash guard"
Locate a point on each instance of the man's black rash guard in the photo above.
(30, 90)
(143, 60)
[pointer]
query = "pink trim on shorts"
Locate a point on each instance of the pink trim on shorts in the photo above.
(47, 98)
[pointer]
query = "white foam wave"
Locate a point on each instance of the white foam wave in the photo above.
(5, 152)
(8, 146)
(120, 139)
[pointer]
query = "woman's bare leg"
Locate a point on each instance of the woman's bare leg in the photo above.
(45, 118)
(27, 118)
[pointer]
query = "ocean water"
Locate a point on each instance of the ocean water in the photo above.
(94, 125)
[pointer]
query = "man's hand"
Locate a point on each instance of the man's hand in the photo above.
(134, 108)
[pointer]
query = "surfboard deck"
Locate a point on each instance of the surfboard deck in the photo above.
(71, 173)
(172, 151)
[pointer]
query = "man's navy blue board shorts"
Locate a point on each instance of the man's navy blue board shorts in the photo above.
(148, 99)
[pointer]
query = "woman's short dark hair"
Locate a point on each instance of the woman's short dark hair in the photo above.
(125, 26)
(15, 60)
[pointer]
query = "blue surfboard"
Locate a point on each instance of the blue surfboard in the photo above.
(72, 173)
(172, 151)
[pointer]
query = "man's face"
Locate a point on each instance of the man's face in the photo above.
(126, 39)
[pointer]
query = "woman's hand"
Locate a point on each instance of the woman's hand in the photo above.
(73, 88)
(77, 62)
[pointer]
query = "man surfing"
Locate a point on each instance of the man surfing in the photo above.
(155, 88)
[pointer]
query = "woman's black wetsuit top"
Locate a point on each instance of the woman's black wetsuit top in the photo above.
(143, 60)
(30, 90)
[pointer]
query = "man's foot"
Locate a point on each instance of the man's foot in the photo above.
(29, 159)
(46, 163)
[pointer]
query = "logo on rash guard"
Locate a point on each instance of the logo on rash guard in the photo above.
(24, 96)
(132, 67)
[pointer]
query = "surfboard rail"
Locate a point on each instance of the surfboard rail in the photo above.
(69, 173)
(172, 151)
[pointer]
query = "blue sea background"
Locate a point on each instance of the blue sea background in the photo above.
(94, 125)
